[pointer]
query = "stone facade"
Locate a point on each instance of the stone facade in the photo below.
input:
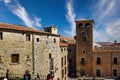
(28, 49)
(15, 43)
(64, 59)
(84, 42)
(101, 60)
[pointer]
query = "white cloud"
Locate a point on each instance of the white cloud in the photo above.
(105, 13)
(20, 11)
(37, 20)
(70, 17)
(7, 1)
(103, 9)
(113, 28)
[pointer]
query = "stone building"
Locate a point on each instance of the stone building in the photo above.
(100, 60)
(64, 63)
(23, 48)
(71, 55)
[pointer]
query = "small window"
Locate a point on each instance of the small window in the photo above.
(83, 51)
(37, 39)
(27, 37)
(98, 72)
(65, 60)
(98, 61)
(83, 33)
(1, 35)
(87, 24)
(15, 58)
(48, 30)
(82, 61)
(54, 40)
(82, 72)
(64, 49)
(81, 25)
(115, 61)
(62, 61)
(114, 72)
(61, 50)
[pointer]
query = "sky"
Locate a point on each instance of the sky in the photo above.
(63, 14)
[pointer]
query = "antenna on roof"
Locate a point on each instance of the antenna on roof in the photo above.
(115, 41)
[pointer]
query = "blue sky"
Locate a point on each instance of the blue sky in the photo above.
(63, 13)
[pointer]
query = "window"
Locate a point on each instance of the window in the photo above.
(81, 25)
(83, 36)
(114, 72)
(83, 33)
(50, 56)
(82, 72)
(48, 30)
(1, 35)
(87, 24)
(83, 51)
(65, 49)
(98, 61)
(61, 50)
(65, 60)
(98, 72)
(27, 37)
(115, 61)
(54, 40)
(37, 39)
(15, 58)
(82, 61)
(62, 61)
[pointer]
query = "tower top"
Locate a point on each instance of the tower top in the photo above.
(52, 29)
(85, 20)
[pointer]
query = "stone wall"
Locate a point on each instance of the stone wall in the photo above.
(48, 45)
(107, 64)
(15, 43)
(64, 62)
(42, 54)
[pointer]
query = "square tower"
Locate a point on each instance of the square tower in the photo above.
(51, 29)
(84, 47)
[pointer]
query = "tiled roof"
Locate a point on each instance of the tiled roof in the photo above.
(21, 28)
(104, 43)
(67, 38)
(63, 44)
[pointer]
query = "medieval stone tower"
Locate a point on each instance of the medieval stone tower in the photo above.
(52, 29)
(84, 47)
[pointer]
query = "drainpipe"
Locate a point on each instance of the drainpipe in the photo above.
(33, 52)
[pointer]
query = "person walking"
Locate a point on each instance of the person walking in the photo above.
(49, 77)
(27, 76)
